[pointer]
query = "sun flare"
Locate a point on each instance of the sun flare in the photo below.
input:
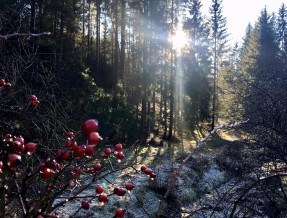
(179, 39)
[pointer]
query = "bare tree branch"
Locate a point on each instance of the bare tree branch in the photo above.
(24, 34)
(178, 171)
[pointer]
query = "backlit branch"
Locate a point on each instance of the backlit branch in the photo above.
(24, 34)
(179, 169)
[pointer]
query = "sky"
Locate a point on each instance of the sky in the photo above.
(240, 12)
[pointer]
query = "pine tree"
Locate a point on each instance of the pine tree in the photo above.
(219, 46)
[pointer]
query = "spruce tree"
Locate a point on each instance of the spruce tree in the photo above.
(219, 37)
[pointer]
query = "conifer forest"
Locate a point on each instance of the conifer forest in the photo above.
(141, 108)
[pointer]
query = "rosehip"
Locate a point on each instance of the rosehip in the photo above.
(116, 189)
(120, 213)
(90, 126)
(30, 148)
(129, 187)
(56, 166)
(85, 205)
(70, 135)
(62, 154)
(79, 152)
(78, 171)
(1, 166)
(108, 151)
(120, 156)
(2, 82)
(47, 173)
(103, 198)
(91, 170)
(20, 139)
(41, 166)
(8, 85)
(33, 98)
(89, 151)
(153, 175)
(118, 147)
(97, 167)
(148, 172)
(18, 147)
(13, 161)
(94, 138)
(71, 144)
(143, 168)
(73, 175)
(99, 189)
(121, 192)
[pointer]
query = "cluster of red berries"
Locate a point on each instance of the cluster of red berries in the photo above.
(34, 101)
(96, 168)
(103, 198)
(117, 151)
(148, 172)
(78, 171)
(2, 84)
(17, 145)
(48, 168)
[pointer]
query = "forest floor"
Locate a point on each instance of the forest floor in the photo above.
(200, 177)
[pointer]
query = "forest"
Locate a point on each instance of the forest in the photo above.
(141, 108)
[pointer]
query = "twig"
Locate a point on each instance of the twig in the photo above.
(178, 171)
(250, 187)
(20, 198)
(24, 34)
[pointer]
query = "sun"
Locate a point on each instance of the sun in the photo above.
(179, 39)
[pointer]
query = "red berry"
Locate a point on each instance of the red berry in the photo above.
(62, 154)
(30, 148)
(8, 136)
(1, 166)
(118, 147)
(97, 167)
(94, 138)
(121, 192)
(103, 198)
(116, 189)
(18, 147)
(85, 205)
(72, 144)
(91, 170)
(143, 168)
(73, 175)
(78, 171)
(79, 152)
(20, 139)
(56, 166)
(89, 151)
(153, 175)
(2, 82)
(13, 161)
(33, 98)
(8, 85)
(47, 173)
(120, 213)
(90, 126)
(99, 189)
(70, 135)
(41, 166)
(120, 156)
(108, 151)
(129, 186)
(148, 172)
